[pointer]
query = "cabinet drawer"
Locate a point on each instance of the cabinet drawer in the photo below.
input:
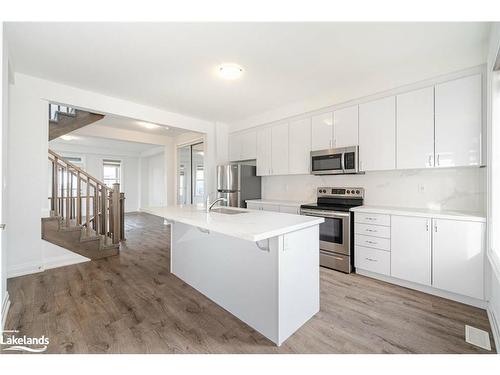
(290, 210)
(254, 206)
(372, 230)
(377, 219)
(372, 260)
(270, 207)
(370, 241)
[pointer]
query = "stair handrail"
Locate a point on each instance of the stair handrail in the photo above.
(78, 169)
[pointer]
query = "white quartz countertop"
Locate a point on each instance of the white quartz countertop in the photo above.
(421, 212)
(253, 225)
(276, 202)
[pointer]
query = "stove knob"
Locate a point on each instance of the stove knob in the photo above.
(348, 191)
(357, 191)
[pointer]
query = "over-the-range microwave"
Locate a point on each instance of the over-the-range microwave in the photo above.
(335, 161)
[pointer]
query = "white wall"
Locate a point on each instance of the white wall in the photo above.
(493, 267)
(93, 159)
(153, 180)
(4, 109)
(27, 156)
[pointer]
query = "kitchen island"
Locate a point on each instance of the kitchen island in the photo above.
(263, 267)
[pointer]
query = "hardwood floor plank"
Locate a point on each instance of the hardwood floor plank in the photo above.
(131, 303)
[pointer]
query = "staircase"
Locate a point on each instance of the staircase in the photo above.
(63, 120)
(87, 217)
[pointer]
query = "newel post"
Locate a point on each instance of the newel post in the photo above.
(115, 204)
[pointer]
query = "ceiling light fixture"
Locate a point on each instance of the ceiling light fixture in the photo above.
(67, 137)
(230, 71)
(148, 125)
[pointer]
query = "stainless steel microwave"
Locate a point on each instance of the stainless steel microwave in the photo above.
(335, 161)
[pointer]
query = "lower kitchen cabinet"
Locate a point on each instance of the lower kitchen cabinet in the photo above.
(411, 249)
(431, 252)
(458, 257)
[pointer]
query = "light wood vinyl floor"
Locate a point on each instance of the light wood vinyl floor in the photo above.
(132, 304)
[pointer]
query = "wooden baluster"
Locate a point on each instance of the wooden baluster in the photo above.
(111, 216)
(104, 213)
(122, 216)
(69, 186)
(87, 208)
(96, 209)
(55, 171)
(116, 213)
(61, 209)
(78, 199)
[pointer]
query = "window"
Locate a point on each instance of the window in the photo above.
(111, 172)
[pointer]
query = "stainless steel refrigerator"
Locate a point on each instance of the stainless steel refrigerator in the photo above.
(237, 183)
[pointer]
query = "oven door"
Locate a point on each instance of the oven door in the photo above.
(335, 232)
(327, 162)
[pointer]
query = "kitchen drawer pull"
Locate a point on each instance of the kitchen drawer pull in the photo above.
(372, 242)
(371, 218)
(371, 260)
(203, 230)
(371, 230)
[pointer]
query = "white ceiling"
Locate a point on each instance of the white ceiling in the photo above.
(129, 124)
(171, 65)
(96, 143)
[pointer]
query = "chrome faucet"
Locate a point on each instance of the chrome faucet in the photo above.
(210, 205)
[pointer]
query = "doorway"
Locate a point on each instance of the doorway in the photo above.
(190, 174)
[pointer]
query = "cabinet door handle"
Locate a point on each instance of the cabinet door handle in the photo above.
(438, 159)
(430, 160)
(435, 228)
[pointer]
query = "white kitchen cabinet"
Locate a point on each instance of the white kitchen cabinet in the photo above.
(458, 122)
(377, 135)
(254, 206)
(411, 248)
(415, 129)
(243, 146)
(458, 257)
(322, 131)
(264, 148)
(234, 146)
(345, 127)
(279, 149)
(290, 209)
(270, 207)
(299, 146)
(249, 145)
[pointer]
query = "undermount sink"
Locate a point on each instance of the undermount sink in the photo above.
(222, 210)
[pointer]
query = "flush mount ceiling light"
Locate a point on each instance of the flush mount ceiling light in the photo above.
(230, 71)
(67, 137)
(149, 125)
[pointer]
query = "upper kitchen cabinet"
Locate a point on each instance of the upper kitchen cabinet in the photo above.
(279, 149)
(322, 131)
(299, 146)
(377, 135)
(345, 127)
(458, 122)
(264, 153)
(243, 146)
(415, 129)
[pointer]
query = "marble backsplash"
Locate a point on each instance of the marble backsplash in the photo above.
(462, 189)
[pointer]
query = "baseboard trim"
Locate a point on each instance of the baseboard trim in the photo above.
(426, 289)
(49, 263)
(5, 309)
(62, 261)
(494, 326)
(24, 269)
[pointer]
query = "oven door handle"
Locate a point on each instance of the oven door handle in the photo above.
(321, 213)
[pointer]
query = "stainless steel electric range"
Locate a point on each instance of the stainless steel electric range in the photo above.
(336, 234)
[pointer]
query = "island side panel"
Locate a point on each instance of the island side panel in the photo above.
(298, 280)
(232, 272)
